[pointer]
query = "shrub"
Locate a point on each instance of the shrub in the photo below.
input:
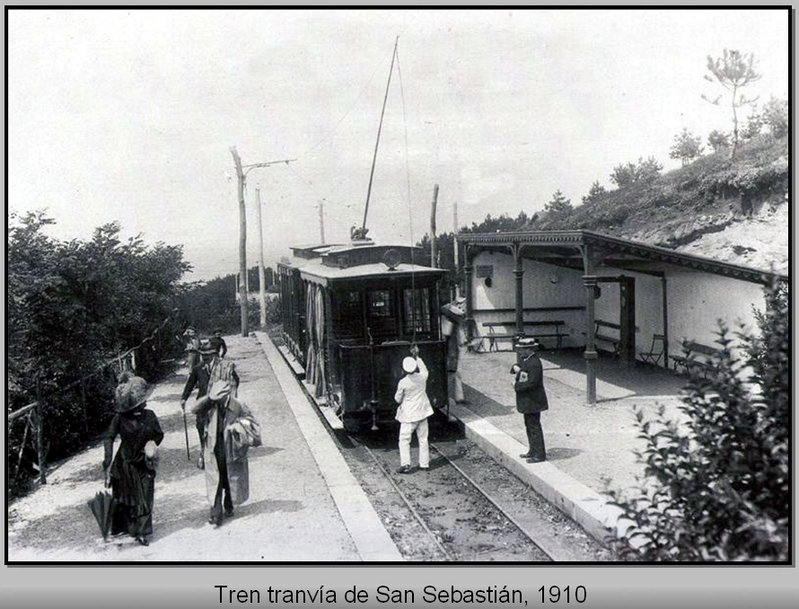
(717, 488)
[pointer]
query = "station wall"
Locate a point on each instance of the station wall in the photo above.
(696, 300)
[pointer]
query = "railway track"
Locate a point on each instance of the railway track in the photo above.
(465, 507)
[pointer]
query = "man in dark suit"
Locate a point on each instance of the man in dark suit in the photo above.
(531, 399)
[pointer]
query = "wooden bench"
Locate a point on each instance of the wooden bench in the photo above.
(510, 327)
(696, 357)
(600, 334)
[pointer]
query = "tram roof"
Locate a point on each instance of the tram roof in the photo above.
(315, 270)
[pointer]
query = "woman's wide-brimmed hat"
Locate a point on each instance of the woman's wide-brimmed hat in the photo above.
(453, 312)
(132, 393)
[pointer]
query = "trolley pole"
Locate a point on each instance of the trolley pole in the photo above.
(261, 278)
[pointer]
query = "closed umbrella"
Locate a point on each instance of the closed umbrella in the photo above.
(102, 506)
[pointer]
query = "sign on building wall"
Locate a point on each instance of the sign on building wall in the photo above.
(484, 270)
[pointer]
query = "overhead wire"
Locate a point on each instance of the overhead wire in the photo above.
(410, 210)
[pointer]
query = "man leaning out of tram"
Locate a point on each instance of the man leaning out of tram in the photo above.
(414, 409)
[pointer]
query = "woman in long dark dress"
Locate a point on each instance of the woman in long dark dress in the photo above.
(132, 472)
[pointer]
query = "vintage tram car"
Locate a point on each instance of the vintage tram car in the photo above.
(350, 313)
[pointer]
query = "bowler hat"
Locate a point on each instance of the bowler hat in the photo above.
(132, 394)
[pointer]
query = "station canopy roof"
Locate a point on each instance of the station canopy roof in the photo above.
(565, 248)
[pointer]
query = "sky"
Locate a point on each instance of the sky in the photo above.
(129, 115)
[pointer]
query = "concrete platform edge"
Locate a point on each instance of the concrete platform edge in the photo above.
(370, 537)
(585, 506)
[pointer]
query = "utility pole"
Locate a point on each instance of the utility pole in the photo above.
(261, 278)
(241, 173)
(433, 227)
(455, 242)
(322, 220)
(242, 241)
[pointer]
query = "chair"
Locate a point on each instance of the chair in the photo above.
(476, 345)
(653, 356)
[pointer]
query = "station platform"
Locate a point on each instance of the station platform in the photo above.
(586, 445)
(304, 504)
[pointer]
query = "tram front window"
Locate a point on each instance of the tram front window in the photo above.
(416, 311)
(379, 319)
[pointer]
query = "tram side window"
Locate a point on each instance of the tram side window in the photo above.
(379, 314)
(416, 311)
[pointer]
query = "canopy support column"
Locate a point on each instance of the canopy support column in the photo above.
(468, 271)
(590, 354)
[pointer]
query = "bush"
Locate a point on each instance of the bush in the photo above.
(72, 307)
(718, 488)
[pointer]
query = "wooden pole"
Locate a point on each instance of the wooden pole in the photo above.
(242, 242)
(261, 278)
(433, 227)
(455, 244)
(39, 433)
(322, 220)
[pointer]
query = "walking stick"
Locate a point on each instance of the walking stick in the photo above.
(186, 430)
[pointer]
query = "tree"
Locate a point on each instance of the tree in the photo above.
(686, 147)
(754, 124)
(559, 204)
(594, 193)
(623, 175)
(733, 71)
(630, 173)
(775, 116)
(718, 140)
(717, 488)
(72, 307)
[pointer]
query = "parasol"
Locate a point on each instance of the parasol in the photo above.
(102, 506)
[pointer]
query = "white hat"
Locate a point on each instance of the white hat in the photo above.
(527, 343)
(409, 364)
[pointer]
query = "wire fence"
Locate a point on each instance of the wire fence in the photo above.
(32, 418)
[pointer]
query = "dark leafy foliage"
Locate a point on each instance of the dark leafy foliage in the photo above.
(73, 306)
(211, 305)
(717, 485)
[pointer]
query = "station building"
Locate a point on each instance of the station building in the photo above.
(581, 289)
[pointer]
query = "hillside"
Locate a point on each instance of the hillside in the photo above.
(731, 210)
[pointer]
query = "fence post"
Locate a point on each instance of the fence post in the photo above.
(83, 405)
(39, 432)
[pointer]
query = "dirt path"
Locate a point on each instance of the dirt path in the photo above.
(289, 515)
